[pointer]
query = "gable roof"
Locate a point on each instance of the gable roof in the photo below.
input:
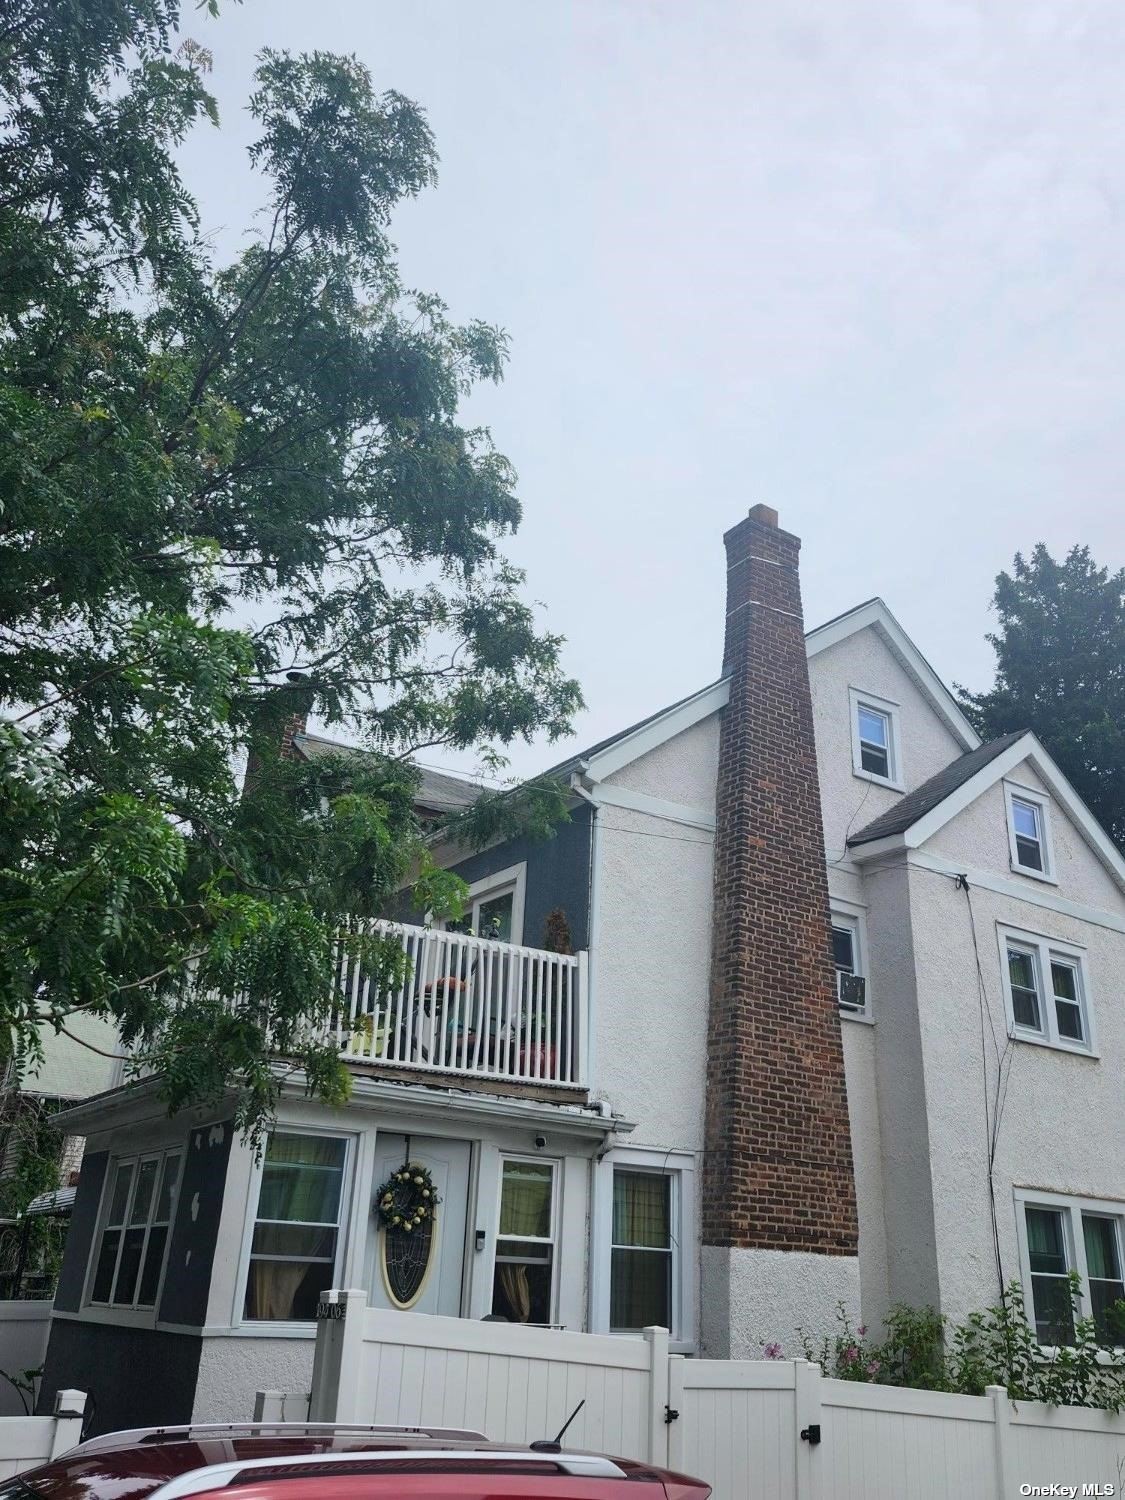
(917, 818)
(629, 744)
(439, 791)
(925, 798)
(874, 613)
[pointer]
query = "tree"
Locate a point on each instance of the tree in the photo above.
(1060, 671)
(186, 446)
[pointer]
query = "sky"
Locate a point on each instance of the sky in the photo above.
(862, 262)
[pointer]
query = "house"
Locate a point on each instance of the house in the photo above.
(840, 1023)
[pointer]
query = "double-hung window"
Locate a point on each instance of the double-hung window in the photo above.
(523, 1281)
(1045, 989)
(642, 1251)
(1029, 833)
(1062, 1236)
(294, 1252)
(137, 1217)
(851, 985)
(875, 739)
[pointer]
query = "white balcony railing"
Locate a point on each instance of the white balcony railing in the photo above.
(471, 1006)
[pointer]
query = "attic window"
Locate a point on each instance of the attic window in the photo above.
(875, 740)
(1029, 833)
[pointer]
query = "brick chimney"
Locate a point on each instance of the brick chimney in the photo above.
(778, 1187)
(283, 715)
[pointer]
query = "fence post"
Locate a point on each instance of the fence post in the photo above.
(807, 1419)
(675, 1427)
(1001, 1437)
(70, 1410)
(658, 1357)
(337, 1361)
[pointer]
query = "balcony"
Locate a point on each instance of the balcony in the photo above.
(471, 1007)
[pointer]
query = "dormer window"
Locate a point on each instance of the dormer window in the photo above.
(1028, 833)
(875, 739)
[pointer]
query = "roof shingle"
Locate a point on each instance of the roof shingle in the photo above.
(925, 798)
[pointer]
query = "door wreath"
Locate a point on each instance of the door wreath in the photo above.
(407, 1199)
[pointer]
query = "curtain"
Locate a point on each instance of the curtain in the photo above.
(525, 1201)
(513, 1282)
(1045, 1241)
(641, 1210)
(302, 1178)
(1101, 1248)
(272, 1288)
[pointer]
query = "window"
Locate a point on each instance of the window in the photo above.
(495, 907)
(641, 1252)
(851, 986)
(1029, 833)
(134, 1236)
(523, 1282)
(875, 749)
(1045, 990)
(1060, 1236)
(296, 1242)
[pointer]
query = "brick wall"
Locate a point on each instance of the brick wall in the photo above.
(778, 1167)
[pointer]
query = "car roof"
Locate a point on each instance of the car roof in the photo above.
(175, 1463)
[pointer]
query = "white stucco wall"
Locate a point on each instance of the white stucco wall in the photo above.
(1061, 1122)
(979, 836)
(865, 662)
(774, 1296)
(652, 958)
(232, 1369)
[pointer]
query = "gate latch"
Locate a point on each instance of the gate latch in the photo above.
(811, 1434)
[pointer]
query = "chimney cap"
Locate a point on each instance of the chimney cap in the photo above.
(765, 515)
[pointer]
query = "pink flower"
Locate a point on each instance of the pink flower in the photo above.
(862, 1330)
(873, 1367)
(851, 1353)
(773, 1351)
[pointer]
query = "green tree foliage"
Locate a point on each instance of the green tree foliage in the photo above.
(185, 447)
(1060, 671)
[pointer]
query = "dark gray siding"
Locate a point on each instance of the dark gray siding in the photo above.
(187, 1278)
(135, 1377)
(558, 874)
(80, 1234)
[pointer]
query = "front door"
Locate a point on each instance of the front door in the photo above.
(422, 1271)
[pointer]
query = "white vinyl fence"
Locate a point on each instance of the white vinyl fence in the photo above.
(24, 1327)
(754, 1429)
(26, 1442)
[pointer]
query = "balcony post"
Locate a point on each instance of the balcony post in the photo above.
(581, 1017)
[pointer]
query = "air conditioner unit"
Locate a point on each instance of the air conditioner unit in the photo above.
(851, 991)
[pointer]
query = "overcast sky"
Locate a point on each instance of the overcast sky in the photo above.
(861, 261)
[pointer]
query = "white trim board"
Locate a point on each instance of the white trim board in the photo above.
(654, 807)
(1028, 748)
(1030, 895)
(656, 732)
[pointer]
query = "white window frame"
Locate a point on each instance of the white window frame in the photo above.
(488, 887)
(1074, 1238)
(133, 1311)
(281, 1326)
(1043, 949)
(847, 914)
(553, 1240)
(1013, 792)
(889, 711)
(680, 1167)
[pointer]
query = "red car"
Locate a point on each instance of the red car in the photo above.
(298, 1461)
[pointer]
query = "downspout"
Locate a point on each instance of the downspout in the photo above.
(594, 924)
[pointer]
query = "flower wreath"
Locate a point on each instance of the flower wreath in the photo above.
(407, 1199)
